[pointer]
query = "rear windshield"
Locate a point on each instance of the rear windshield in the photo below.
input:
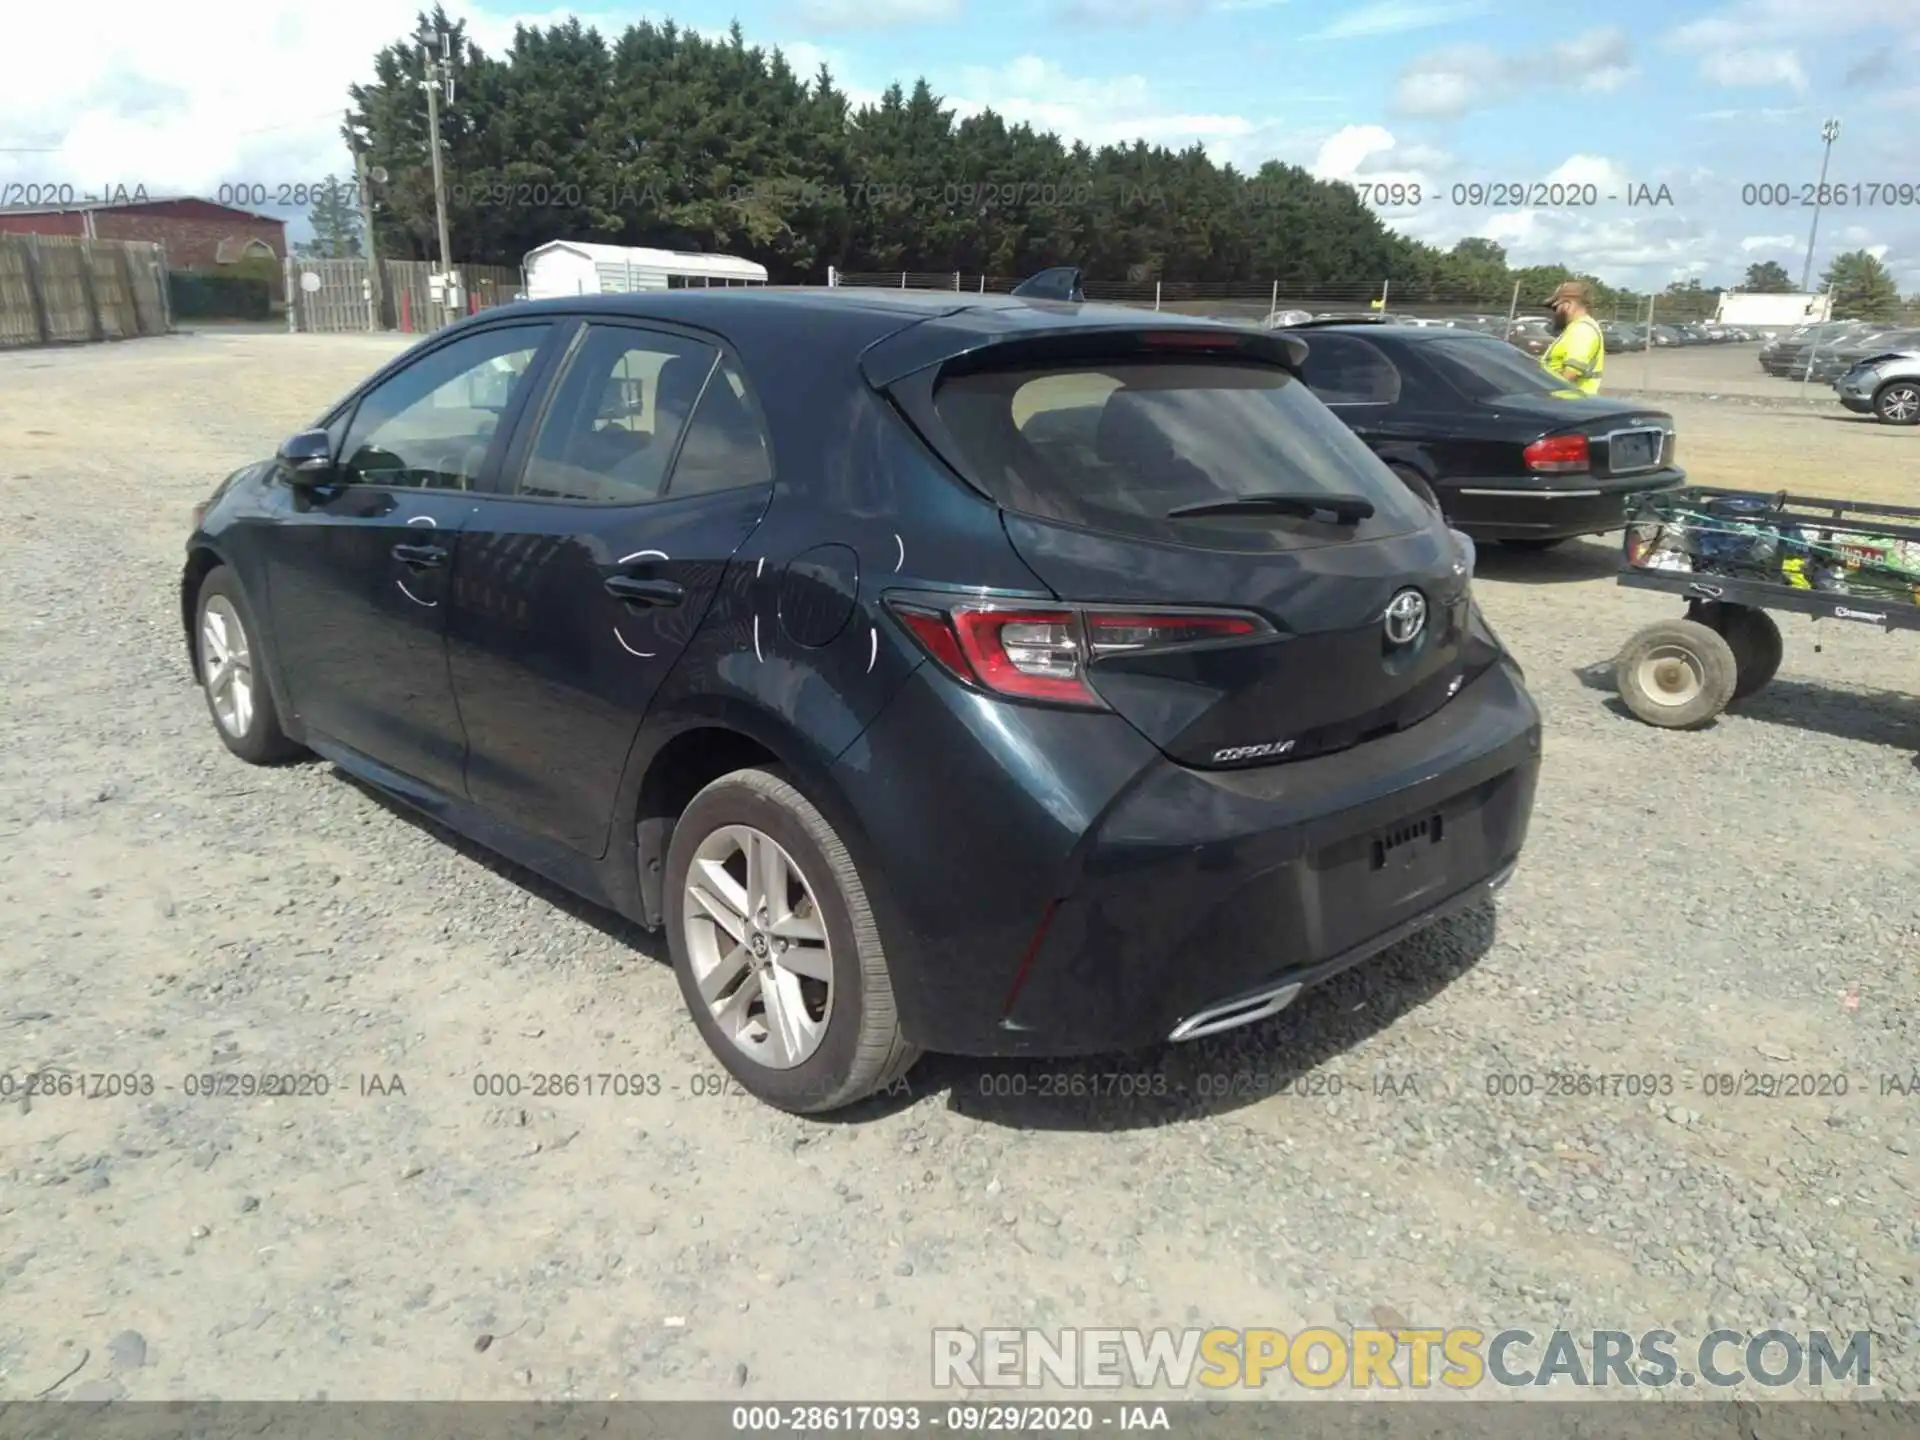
(1116, 445)
(1484, 369)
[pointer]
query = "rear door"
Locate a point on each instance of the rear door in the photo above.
(1088, 456)
(579, 584)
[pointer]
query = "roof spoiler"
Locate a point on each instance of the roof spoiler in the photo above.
(1062, 282)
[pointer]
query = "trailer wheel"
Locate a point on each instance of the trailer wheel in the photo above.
(1677, 674)
(1752, 635)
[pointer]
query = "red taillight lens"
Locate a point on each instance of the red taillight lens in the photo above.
(1559, 454)
(1042, 652)
(1109, 634)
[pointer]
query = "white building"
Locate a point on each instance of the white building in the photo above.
(575, 267)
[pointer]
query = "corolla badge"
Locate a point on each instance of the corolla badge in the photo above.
(1406, 617)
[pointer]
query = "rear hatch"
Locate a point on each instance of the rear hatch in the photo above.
(1164, 485)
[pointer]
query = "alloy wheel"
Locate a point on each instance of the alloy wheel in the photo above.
(226, 665)
(1900, 404)
(758, 945)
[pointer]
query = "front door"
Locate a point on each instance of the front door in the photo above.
(358, 570)
(576, 589)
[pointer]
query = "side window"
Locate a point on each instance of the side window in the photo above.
(430, 425)
(726, 446)
(1344, 370)
(615, 417)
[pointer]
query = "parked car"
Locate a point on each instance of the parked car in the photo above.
(1831, 362)
(1885, 384)
(1661, 336)
(1789, 357)
(1531, 334)
(1508, 451)
(1623, 338)
(968, 673)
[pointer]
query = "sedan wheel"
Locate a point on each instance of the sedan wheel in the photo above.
(776, 948)
(758, 947)
(1898, 403)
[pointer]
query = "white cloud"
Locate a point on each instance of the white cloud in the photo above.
(1396, 17)
(1607, 177)
(877, 14)
(1755, 68)
(137, 104)
(1772, 22)
(1110, 110)
(1769, 242)
(1445, 84)
(1602, 59)
(1126, 12)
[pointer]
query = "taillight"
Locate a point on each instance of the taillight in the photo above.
(1042, 652)
(1559, 454)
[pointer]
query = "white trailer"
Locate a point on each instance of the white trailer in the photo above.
(576, 267)
(1772, 312)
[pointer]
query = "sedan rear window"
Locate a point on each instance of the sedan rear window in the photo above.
(1485, 369)
(1119, 445)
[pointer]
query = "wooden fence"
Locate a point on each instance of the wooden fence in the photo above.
(60, 289)
(336, 296)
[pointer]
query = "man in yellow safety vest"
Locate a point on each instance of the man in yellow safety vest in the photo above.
(1579, 351)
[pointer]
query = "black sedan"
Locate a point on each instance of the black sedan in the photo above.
(1509, 452)
(968, 673)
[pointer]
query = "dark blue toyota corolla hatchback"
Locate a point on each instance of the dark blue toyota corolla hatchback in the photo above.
(985, 675)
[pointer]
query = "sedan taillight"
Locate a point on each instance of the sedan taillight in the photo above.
(1559, 455)
(1042, 652)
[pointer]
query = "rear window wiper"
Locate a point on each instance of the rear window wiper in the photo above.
(1347, 509)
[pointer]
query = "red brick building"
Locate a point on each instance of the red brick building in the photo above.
(199, 235)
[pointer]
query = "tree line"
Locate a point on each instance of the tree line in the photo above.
(661, 137)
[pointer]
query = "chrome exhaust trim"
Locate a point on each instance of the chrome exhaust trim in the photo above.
(1235, 1013)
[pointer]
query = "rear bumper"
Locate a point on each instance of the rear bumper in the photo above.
(1565, 506)
(1203, 889)
(1184, 889)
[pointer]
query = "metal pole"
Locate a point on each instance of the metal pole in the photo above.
(1383, 295)
(1156, 294)
(1513, 309)
(1646, 366)
(1813, 350)
(432, 82)
(1273, 305)
(903, 279)
(1829, 132)
(293, 305)
(366, 222)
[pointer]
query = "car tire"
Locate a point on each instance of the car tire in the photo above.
(230, 661)
(1754, 639)
(1898, 402)
(826, 1034)
(1417, 483)
(1677, 674)
(1533, 544)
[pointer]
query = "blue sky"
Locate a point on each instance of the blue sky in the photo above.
(1704, 99)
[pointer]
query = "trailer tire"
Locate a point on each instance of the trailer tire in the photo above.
(1752, 635)
(1677, 674)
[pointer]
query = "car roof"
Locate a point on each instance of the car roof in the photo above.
(1412, 334)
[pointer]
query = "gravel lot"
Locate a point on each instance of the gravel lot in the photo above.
(1742, 899)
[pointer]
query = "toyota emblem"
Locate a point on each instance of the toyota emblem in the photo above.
(1406, 617)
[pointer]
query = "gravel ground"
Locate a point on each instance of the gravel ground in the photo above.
(1742, 899)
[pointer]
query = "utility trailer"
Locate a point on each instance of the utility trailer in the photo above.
(1734, 555)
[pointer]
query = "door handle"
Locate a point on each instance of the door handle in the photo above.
(421, 557)
(645, 592)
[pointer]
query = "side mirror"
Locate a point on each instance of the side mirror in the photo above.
(309, 455)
